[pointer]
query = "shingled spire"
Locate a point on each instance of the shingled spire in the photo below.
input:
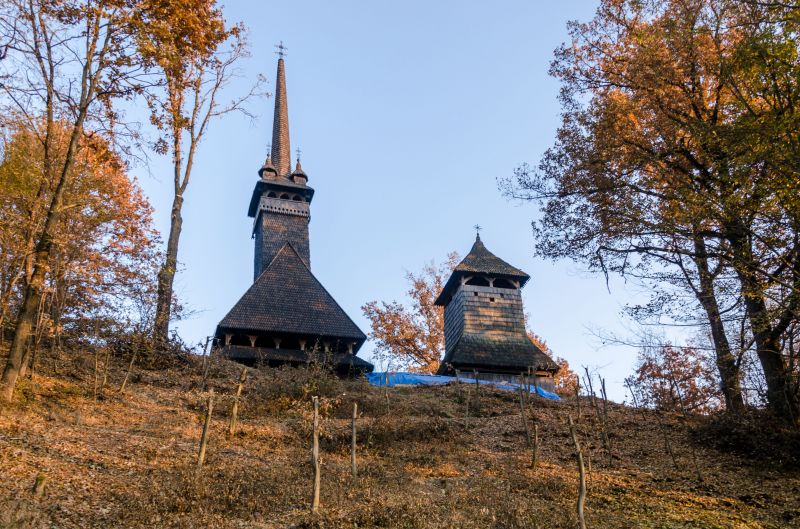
(281, 151)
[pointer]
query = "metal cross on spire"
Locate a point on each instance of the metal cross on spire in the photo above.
(281, 53)
(298, 152)
(477, 231)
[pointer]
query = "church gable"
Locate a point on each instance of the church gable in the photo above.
(287, 298)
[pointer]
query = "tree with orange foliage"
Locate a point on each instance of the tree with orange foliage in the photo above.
(675, 378)
(676, 165)
(103, 248)
(66, 62)
(413, 336)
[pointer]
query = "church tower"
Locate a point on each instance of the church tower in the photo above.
(484, 321)
(281, 200)
(286, 316)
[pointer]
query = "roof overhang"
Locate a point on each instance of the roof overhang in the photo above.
(278, 185)
(454, 281)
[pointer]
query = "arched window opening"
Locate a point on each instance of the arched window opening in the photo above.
(503, 283)
(297, 198)
(478, 281)
(272, 194)
(285, 196)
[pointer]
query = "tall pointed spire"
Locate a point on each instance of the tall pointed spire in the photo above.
(281, 151)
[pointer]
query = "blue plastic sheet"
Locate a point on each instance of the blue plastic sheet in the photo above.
(416, 379)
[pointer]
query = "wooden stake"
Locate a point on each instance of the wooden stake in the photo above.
(353, 466)
(235, 407)
(466, 407)
(201, 454)
(315, 457)
(96, 372)
(477, 393)
(128, 373)
(535, 461)
(581, 475)
(386, 392)
(591, 391)
(105, 369)
(38, 485)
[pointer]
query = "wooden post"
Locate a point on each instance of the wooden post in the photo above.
(524, 387)
(206, 362)
(466, 406)
(591, 391)
(353, 466)
(235, 407)
(477, 392)
(38, 485)
(315, 457)
(386, 392)
(128, 373)
(96, 371)
(581, 475)
(201, 454)
(105, 370)
(535, 461)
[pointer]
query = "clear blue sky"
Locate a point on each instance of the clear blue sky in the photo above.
(406, 114)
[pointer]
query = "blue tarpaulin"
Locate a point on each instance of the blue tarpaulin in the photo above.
(416, 379)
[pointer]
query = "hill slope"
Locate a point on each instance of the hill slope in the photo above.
(129, 460)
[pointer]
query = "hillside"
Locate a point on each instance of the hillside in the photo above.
(129, 460)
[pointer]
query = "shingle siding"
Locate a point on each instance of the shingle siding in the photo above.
(484, 326)
(273, 231)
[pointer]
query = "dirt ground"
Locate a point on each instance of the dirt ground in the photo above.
(427, 457)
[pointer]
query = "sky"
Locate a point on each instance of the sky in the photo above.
(406, 113)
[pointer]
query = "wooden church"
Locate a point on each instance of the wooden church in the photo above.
(484, 322)
(286, 316)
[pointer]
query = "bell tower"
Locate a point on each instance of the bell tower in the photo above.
(281, 200)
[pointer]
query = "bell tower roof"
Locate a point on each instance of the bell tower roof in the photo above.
(479, 260)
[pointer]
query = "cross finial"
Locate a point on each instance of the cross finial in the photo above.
(477, 231)
(298, 152)
(281, 53)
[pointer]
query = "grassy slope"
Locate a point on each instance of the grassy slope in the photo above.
(129, 461)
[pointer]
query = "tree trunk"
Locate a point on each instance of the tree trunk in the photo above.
(729, 372)
(33, 292)
(766, 336)
(166, 275)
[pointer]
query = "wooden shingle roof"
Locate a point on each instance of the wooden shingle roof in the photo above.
(479, 260)
(287, 298)
(512, 353)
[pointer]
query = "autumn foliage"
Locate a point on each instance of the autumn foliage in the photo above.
(412, 336)
(104, 247)
(676, 379)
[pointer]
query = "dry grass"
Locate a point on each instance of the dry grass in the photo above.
(129, 460)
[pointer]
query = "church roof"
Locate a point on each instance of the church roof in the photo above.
(287, 298)
(479, 260)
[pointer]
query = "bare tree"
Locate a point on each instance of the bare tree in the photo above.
(66, 62)
(195, 63)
